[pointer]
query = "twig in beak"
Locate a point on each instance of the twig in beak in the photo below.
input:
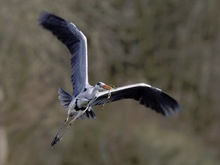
(109, 95)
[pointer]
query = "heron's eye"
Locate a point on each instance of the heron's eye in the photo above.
(99, 83)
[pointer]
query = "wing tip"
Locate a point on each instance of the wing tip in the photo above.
(159, 101)
(43, 16)
(173, 109)
(46, 17)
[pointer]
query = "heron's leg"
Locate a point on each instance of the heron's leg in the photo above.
(62, 125)
(72, 121)
(56, 139)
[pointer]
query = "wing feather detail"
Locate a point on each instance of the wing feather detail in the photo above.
(147, 95)
(76, 42)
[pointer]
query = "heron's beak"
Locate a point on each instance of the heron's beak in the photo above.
(106, 87)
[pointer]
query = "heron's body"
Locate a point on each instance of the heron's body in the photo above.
(82, 102)
(85, 96)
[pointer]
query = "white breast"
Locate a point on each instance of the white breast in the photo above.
(82, 102)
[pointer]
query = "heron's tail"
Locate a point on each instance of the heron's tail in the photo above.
(88, 114)
(64, 97)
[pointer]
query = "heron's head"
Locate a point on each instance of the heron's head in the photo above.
(100, 86)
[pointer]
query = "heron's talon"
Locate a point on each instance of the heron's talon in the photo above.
(55, 141)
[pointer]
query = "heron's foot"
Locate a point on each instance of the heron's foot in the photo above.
(55, 141)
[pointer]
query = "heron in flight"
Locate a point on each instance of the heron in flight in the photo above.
(85, 97)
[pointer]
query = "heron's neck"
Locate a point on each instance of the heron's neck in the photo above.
(94, 92)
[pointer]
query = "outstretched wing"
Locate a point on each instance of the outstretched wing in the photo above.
(149, 96)
(76, 42)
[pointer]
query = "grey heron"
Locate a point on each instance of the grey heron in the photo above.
(84, 96)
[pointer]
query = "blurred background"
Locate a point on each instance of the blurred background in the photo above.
(170, 44)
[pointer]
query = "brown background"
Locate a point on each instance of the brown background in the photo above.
(170, 44)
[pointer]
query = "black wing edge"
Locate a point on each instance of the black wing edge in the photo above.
(159, 101)
(59, 27)
(51, 22)
(150, 97)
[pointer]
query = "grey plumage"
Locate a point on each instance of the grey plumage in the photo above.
(76, 42)
(147, 95)
(85, 96)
